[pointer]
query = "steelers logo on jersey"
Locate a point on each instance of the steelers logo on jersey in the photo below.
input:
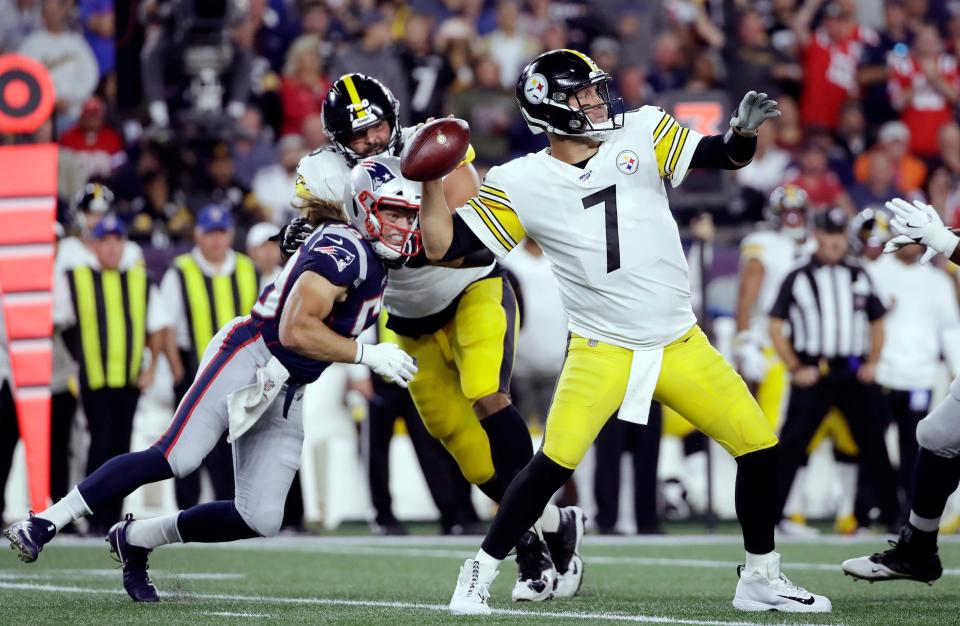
(536, 88)
(627, 161)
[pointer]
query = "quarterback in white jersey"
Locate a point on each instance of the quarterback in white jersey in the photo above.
(595, 202)
(460, 323)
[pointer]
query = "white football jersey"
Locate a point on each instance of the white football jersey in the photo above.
(778, 254)
(411, 292)
(607, 229)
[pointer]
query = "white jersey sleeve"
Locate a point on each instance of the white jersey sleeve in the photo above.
(491, 217)
(673, 145)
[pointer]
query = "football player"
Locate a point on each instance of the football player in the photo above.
(937, 470)
(328, 293)
(595, 202)
(460, 323)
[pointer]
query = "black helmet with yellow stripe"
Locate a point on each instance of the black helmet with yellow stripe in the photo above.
(354, 103)
(547, 93)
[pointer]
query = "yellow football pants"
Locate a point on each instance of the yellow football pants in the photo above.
(468, 359)
(694, 380)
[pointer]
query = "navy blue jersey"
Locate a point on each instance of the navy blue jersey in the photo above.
(338, 253)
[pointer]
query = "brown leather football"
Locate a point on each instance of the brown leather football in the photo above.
(435, 150)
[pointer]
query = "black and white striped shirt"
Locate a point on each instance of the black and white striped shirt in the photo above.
(829, 308)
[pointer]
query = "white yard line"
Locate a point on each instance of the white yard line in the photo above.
(234, 614)
(440, 608)
(19, 574)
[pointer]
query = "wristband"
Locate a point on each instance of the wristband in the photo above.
(359, 356)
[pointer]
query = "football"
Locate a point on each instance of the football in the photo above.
(435, 150)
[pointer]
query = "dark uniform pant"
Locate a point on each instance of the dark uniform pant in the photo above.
(9, 435)
(448, 488)
(219, 463)
(643, 442)
(110, 421)
(63, 407)
(864, 409)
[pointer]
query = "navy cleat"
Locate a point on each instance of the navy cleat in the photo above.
(28, 537)
(136, 580)
(907, 559)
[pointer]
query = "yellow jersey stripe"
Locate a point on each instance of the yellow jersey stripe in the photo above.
(470, 156)
(354, 96)
(496, 192)
(680, 141)
(586, 59)
(490, 212)
(662, 151)
(493, 201)
(478, 209)
(667, 131)
(664, 121)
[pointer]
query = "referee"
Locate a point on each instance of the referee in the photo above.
(834, 345)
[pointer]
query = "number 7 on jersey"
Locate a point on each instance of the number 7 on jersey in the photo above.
(608, 197)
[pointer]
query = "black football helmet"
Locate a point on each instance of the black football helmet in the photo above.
(869, 231)
(546, 92)
(95, 198)
(356, 102)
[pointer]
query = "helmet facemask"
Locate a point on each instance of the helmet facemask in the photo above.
(341, 141)
(389, 248)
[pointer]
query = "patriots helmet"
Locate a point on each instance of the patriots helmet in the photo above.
(375, 185)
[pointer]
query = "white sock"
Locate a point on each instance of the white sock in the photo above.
(70, 507)
(926, 524)
(153, 532)
(550, 520)
(488, 562)
(768, 564)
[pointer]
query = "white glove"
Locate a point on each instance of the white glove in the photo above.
(920, 223)
(751, 362)
(754, 110)
(388, 360)
(902, 240)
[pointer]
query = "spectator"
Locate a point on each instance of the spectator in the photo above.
(704, 72)
(374, 55)
(554, 37)
(874, 71)
(925, 88)
(429, 73)
(273, 184)
(632, 87)
(666, 71)
(97, 147)
(20, 18)
(789, 130)
(769, 165)
(160, 210)
(948, 142)
(878, 187)
(829, 56)
(756, 63)
(251, 146)
(304, 83)
(508, 46)
(273, 32)
(99, 29)
(852, 133)
(813, 175)
(605, 52)
(490, 110)
(894, 139)
(454, 40)
(313, 133)
(73, 68)
(264, 252)
(222, 187)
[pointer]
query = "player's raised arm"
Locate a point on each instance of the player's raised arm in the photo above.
(436, 221)
(921, 224)
(735, 148)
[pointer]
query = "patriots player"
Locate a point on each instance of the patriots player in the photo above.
(460, 323)
(595, 202)
(937, 470)
(326, 295)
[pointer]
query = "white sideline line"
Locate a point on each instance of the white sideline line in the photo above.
(234, 614)
(6, 574)
(646, 619)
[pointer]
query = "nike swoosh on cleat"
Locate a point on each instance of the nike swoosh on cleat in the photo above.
(806, 601)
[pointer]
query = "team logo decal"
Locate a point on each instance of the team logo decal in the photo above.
(341, 256)
(379, 173)
(535, 89)
(627, 161)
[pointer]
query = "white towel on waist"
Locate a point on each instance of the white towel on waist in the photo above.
(246, 405)
(644, 372)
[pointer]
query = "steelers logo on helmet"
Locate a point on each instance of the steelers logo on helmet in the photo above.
(535, 90)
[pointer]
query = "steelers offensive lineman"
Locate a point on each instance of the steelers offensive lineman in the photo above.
(460, 323)
(595, 202)
(937, 470)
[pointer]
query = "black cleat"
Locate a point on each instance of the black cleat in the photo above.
(28, 537)
(136, 580)
(565, 550)
(905, 560)
(537, 577)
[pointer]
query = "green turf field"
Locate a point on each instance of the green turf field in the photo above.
(360, 580)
